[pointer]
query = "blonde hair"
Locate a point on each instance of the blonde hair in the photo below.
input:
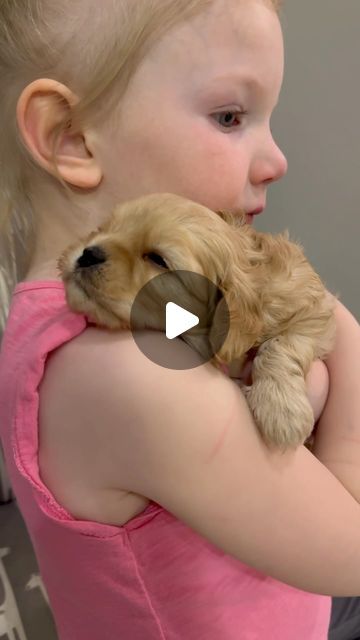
(41, 39)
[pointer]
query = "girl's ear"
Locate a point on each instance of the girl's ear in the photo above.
(43, 108)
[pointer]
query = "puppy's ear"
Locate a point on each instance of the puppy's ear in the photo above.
(233, 219)
(244, 314)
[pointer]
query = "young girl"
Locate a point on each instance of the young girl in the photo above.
(154, 508)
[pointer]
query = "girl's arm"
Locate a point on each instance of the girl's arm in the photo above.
(186, 440)
(191, 446)
(337, 440)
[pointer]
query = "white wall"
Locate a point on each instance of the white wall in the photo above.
(317, 125)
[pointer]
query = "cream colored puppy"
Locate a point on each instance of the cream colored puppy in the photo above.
(276, 301)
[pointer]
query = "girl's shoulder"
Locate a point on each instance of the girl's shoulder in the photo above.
(72, 447)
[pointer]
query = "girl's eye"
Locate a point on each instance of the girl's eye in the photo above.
(228, 118)
(156, 258)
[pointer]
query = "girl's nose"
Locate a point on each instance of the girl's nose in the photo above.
(270, 164)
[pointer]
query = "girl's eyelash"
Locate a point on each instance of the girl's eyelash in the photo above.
(237, 112)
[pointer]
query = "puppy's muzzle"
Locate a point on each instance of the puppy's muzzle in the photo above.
(91, 257)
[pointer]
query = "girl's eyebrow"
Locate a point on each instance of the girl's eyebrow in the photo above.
(249, 81)
(239, 80)
(230, 81)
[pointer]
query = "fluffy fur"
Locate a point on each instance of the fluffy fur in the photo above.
(277, 303)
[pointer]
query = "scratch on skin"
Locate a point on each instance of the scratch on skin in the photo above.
(220, 441)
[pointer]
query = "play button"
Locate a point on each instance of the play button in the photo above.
(179, 307)
(178, 320)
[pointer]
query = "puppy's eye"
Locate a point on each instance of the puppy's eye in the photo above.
(156, 258)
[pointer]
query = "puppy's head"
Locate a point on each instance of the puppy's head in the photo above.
(142, 239)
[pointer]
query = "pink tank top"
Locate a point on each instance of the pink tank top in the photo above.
(153, 578)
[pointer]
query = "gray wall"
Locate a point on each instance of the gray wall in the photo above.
(317, 125)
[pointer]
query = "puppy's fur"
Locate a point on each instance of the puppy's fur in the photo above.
(276, 301)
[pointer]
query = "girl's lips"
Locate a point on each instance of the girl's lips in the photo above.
(256, 211)
(251, 214)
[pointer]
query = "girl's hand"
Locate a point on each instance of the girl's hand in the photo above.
(317, 381)
(317, 387)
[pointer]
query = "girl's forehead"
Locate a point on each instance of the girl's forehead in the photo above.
(242, 20)
(218, 42)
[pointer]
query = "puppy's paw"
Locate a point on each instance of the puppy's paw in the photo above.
(283, 415)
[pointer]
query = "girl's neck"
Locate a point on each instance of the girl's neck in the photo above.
(60, 223)
(42, 272)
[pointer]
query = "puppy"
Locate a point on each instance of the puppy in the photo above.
(277, 303)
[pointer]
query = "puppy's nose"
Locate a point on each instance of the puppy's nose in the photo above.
(91, 257)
